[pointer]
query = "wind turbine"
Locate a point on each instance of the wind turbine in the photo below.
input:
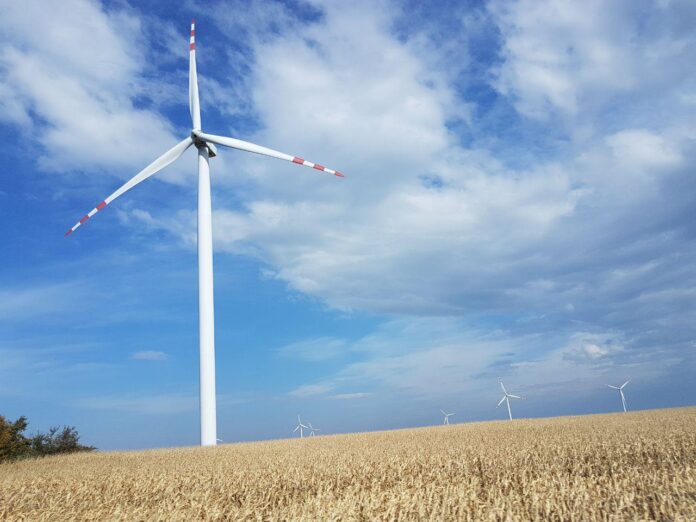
(205, 143)
(312, 429)
(620, 388)
(300, 427)
(507, 398)
(447, 416)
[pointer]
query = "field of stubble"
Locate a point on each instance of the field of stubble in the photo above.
(635, 466)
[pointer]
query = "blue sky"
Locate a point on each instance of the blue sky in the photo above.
(519, 204)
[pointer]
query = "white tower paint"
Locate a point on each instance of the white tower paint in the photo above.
(206, 311)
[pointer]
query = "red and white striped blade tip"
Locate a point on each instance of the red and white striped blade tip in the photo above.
(301, 161)
(96, 209)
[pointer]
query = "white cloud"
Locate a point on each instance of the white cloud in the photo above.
(47, 300)
(149, 355)
(588, 347)
(310, 390)
(595, 352)
(35, 357)
(641, 149)
(69, 72)
(314, 350)
(445, 359)
(577, 60)
(418, 358)
(350, 396)
(556, 53)
(156, 404)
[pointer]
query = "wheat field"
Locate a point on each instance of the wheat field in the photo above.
(635, 466)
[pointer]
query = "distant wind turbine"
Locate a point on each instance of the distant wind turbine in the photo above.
(447, 416)
(312, 429)
(620, 388)
(300, 427)
(205, 143)
(507, 398)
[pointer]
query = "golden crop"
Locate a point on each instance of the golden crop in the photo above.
(635, 466)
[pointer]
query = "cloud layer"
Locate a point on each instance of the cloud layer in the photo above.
(591, 236)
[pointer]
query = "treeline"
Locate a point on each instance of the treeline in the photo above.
(15, 445)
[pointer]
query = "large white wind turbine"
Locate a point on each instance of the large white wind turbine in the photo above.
(507, 398)
(300, 427)
(205, 143)
(447, 416)
(620, 388)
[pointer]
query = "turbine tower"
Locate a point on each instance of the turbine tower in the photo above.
(507, 398)
(620, 388)
(300, 427)
(447, 416)
(205, 143)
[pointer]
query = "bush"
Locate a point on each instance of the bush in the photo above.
(14, 445)
(57, 441)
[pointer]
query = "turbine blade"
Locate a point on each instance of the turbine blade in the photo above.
(501, 400)
(264, 151)
(194, 103)
(503, 387)
(296, 429)
(613, 387)
(624, 384)
(165, 159)
(514, 396)
(443, 412)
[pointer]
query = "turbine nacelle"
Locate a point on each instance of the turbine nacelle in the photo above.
(199, 143)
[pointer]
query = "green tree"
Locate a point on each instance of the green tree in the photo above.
(13, 443)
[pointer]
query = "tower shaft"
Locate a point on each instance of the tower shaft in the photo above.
(206, 312)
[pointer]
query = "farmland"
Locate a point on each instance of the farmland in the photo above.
(633, 466)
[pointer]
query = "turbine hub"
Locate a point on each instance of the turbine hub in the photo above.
(198, 143)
